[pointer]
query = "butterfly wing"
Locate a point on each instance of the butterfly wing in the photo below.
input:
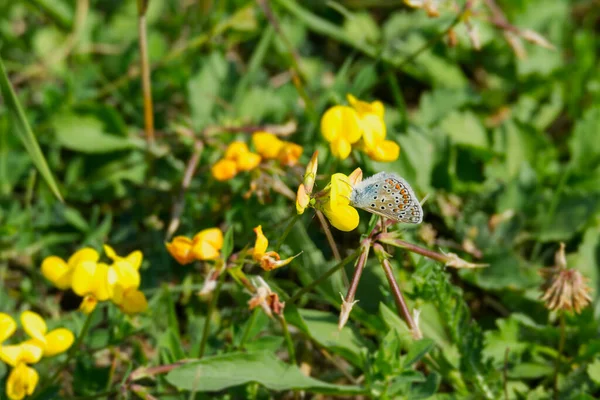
(391, 197)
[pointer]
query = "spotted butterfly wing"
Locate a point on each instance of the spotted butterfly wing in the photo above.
(388, 195)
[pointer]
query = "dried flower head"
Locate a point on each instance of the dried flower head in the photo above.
(564, 288)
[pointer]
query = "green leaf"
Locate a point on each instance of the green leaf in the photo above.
(465, 129)
(224, 371)
(204, 89)
(584, 144)
(417, 351)
(323, 328)
(227, 244)
(593, 370)
(426, 389)
(22, 129)
(86, 134)
(531, 371)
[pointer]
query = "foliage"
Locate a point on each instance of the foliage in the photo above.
(491, 108)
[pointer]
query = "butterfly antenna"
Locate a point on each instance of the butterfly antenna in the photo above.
(424, 199)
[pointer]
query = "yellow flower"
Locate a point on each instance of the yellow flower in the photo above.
(21, 382)
(59, 272)
(235, 150)
(302, 199)
(340, 127)
(338, 209)
(384, 151)
(260, 245)
(207, 244)
(224, 170)
(181, 249)
(247, 161)
(90, 281)
(7, 327)
(267, 144)
(289, 154)
(124, 280)
(269, 260)
(370, 119)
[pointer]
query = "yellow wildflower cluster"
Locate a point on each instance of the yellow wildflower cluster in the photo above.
(345, 126)
(239, 158)
(205, 245)
(23, 379)
(97, 281)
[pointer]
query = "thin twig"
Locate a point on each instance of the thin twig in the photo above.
(288, 339)
(334, 249)
(185, 183)
(145, 67)
(396, 292)
(561, 347)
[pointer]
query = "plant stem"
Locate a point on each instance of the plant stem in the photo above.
(403, 310)
(287, 231)
(145, 68)
(334, 249)
(414, 248)
(248, 327)
(358, 269)
(74, 348)
(209, 313)
(561, 346)
(325, 276)
(288, 338)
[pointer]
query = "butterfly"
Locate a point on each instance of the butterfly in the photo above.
(388, 195)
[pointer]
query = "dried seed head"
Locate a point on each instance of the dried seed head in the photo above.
(563, 288)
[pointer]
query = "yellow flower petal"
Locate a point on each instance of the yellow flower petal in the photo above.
(135, 258)
(88, 304)
(302, 199)
(224, 170)
(85, 254)
(385, 151)
(362, 107)
(110, 252)
(83, 276)
(235, 150)
(267, 144)
(181, 249)
(32, 351)
(100, 288)
(340, 148)
(21, 382)
(289, 154)
(57, 271)
(58, 341)
(355, 177)
(34, 325)
(343, 217)
(261, 243)
(214, 236)
(374, 130)
(340, 190)
(29, 352)
(247, 161)
(134, 302)
(203, 250)
(340, 122)
(7, 326)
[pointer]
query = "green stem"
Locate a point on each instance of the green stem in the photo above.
(287, 231)
(288, 339)
(248, 327)
(74, 348)
(209, 313)
(561, 346)
(325, 276)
